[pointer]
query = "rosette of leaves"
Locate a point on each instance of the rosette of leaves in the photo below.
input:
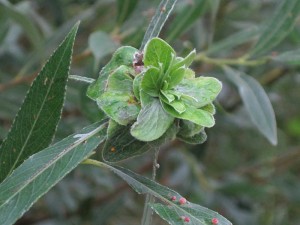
(165, 100)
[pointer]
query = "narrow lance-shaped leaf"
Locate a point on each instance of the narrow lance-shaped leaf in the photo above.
(290, 57)
(36, 121)
(278, 26)
(234, 40)
(160, 17)
(125, 8)
(24, 21)
(186, 17)
(172, 211)
(40, 172)
(256, 102)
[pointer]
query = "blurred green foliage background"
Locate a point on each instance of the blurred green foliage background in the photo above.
(237, 172)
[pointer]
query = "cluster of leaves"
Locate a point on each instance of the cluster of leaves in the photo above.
(156, 94)
(252, 46)
(165, 90)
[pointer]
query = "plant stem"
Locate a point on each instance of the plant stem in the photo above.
(239, 61)
(147, 214)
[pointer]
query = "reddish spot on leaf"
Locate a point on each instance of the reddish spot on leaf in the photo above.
(185, 219)
(182, 201)
(214, 221)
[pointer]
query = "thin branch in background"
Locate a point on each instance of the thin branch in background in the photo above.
(160, 17)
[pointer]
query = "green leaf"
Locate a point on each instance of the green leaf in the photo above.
(119, 106)
(187, 61)
(167, 96)
(189, 129)
(197, 139)
(234, 40)
(189, 73)
(145, 98)
(24, 21)
(186, 17)
(172, 210)
(151, 82)
(125, 8)
(175, 104)
(210, 108)
(101, 44)
(278, 27)
(121, 145)
(152, 122)
(35, 124)
(192, 114)
(158, 52)
(176, 77)
(201, 90)
(256, 102)
(160, 17)
(178, 106)
(120, 80)
(123, 56)
(137, 85)
(290, 57)
(191, 133)
(43, 170)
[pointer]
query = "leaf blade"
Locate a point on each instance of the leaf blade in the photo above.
(151, 81)
(234, 40)
(161, 15)
(278, 27)
(143, 185)
(125, 8)
(50, 166)
(40, 112)
(158, 53)
(187, 16)
(197, 116)
(201, 90)
(290, 57)
(152, 122)
(254, 97)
